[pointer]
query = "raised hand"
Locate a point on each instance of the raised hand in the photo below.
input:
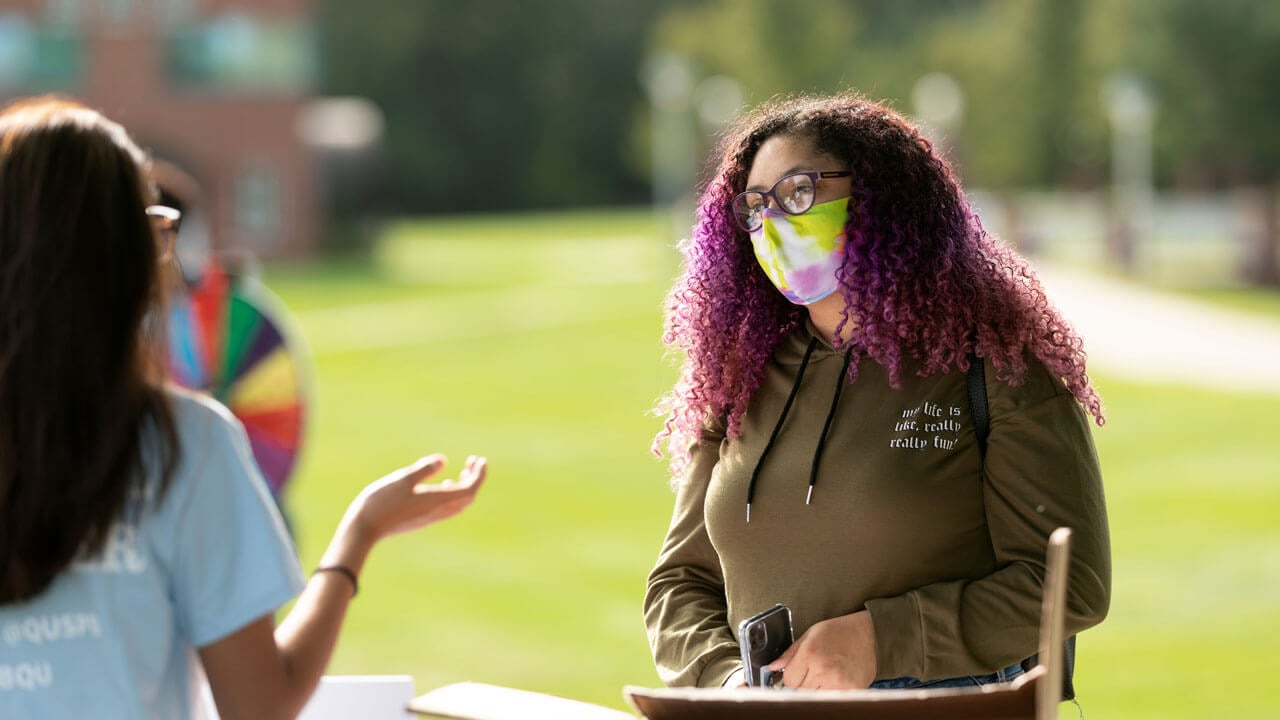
(403, 502)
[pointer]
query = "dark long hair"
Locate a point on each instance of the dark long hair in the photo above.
(920, 276)
(81, 393)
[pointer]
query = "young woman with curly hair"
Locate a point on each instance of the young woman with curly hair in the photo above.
(139, 544)
(837, 288)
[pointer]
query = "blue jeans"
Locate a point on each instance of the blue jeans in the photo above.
(909, 683)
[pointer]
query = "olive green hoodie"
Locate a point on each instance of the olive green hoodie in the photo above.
(903, 520)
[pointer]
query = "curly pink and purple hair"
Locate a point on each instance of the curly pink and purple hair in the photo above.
(920, 275)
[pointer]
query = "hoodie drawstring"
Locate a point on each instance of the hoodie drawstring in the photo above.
(782, 418)
(831, 415)
(795, 388)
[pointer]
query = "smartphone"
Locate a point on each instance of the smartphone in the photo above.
(762, 638)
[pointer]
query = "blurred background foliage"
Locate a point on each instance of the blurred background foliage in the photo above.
(500, 105)
(493, 104)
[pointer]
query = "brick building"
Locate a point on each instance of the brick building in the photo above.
(213, 86)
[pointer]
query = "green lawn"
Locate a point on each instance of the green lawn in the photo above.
(1242, 299)
(535, 341)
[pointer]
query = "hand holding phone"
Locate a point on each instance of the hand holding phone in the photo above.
(762, 638)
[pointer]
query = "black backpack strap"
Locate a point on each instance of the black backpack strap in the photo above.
(976, 380)
(1068, 668)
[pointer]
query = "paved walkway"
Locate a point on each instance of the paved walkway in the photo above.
(1138, 334)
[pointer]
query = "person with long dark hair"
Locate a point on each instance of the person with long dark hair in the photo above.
(826, 449)
(138, 542)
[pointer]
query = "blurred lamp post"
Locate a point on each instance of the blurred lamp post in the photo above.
(719, 98)
(340, 124)
(939, 103)
(1131, 111)
(344, 132)
(668, 80)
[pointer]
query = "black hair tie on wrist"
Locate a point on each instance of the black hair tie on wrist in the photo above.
(342, 570)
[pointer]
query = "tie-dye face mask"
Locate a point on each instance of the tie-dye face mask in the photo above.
(800, 253)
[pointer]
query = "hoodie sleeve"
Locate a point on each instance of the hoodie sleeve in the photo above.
(1041, 473)
(685, 611)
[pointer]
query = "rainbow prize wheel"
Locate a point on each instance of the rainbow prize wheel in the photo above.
(227, 338)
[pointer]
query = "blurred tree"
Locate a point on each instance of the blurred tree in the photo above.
(769, 47)
(816, 46)
(1216, 69)
(986, 49)
(1021, 66)
(1032, 116)
(1056, 71)
(499, 105)
(491, 104)
(1032, 74)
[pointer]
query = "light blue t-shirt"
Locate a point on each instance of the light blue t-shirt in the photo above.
(114, 636)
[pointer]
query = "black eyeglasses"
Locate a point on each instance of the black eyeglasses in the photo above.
(793, 193)
(165, 221)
